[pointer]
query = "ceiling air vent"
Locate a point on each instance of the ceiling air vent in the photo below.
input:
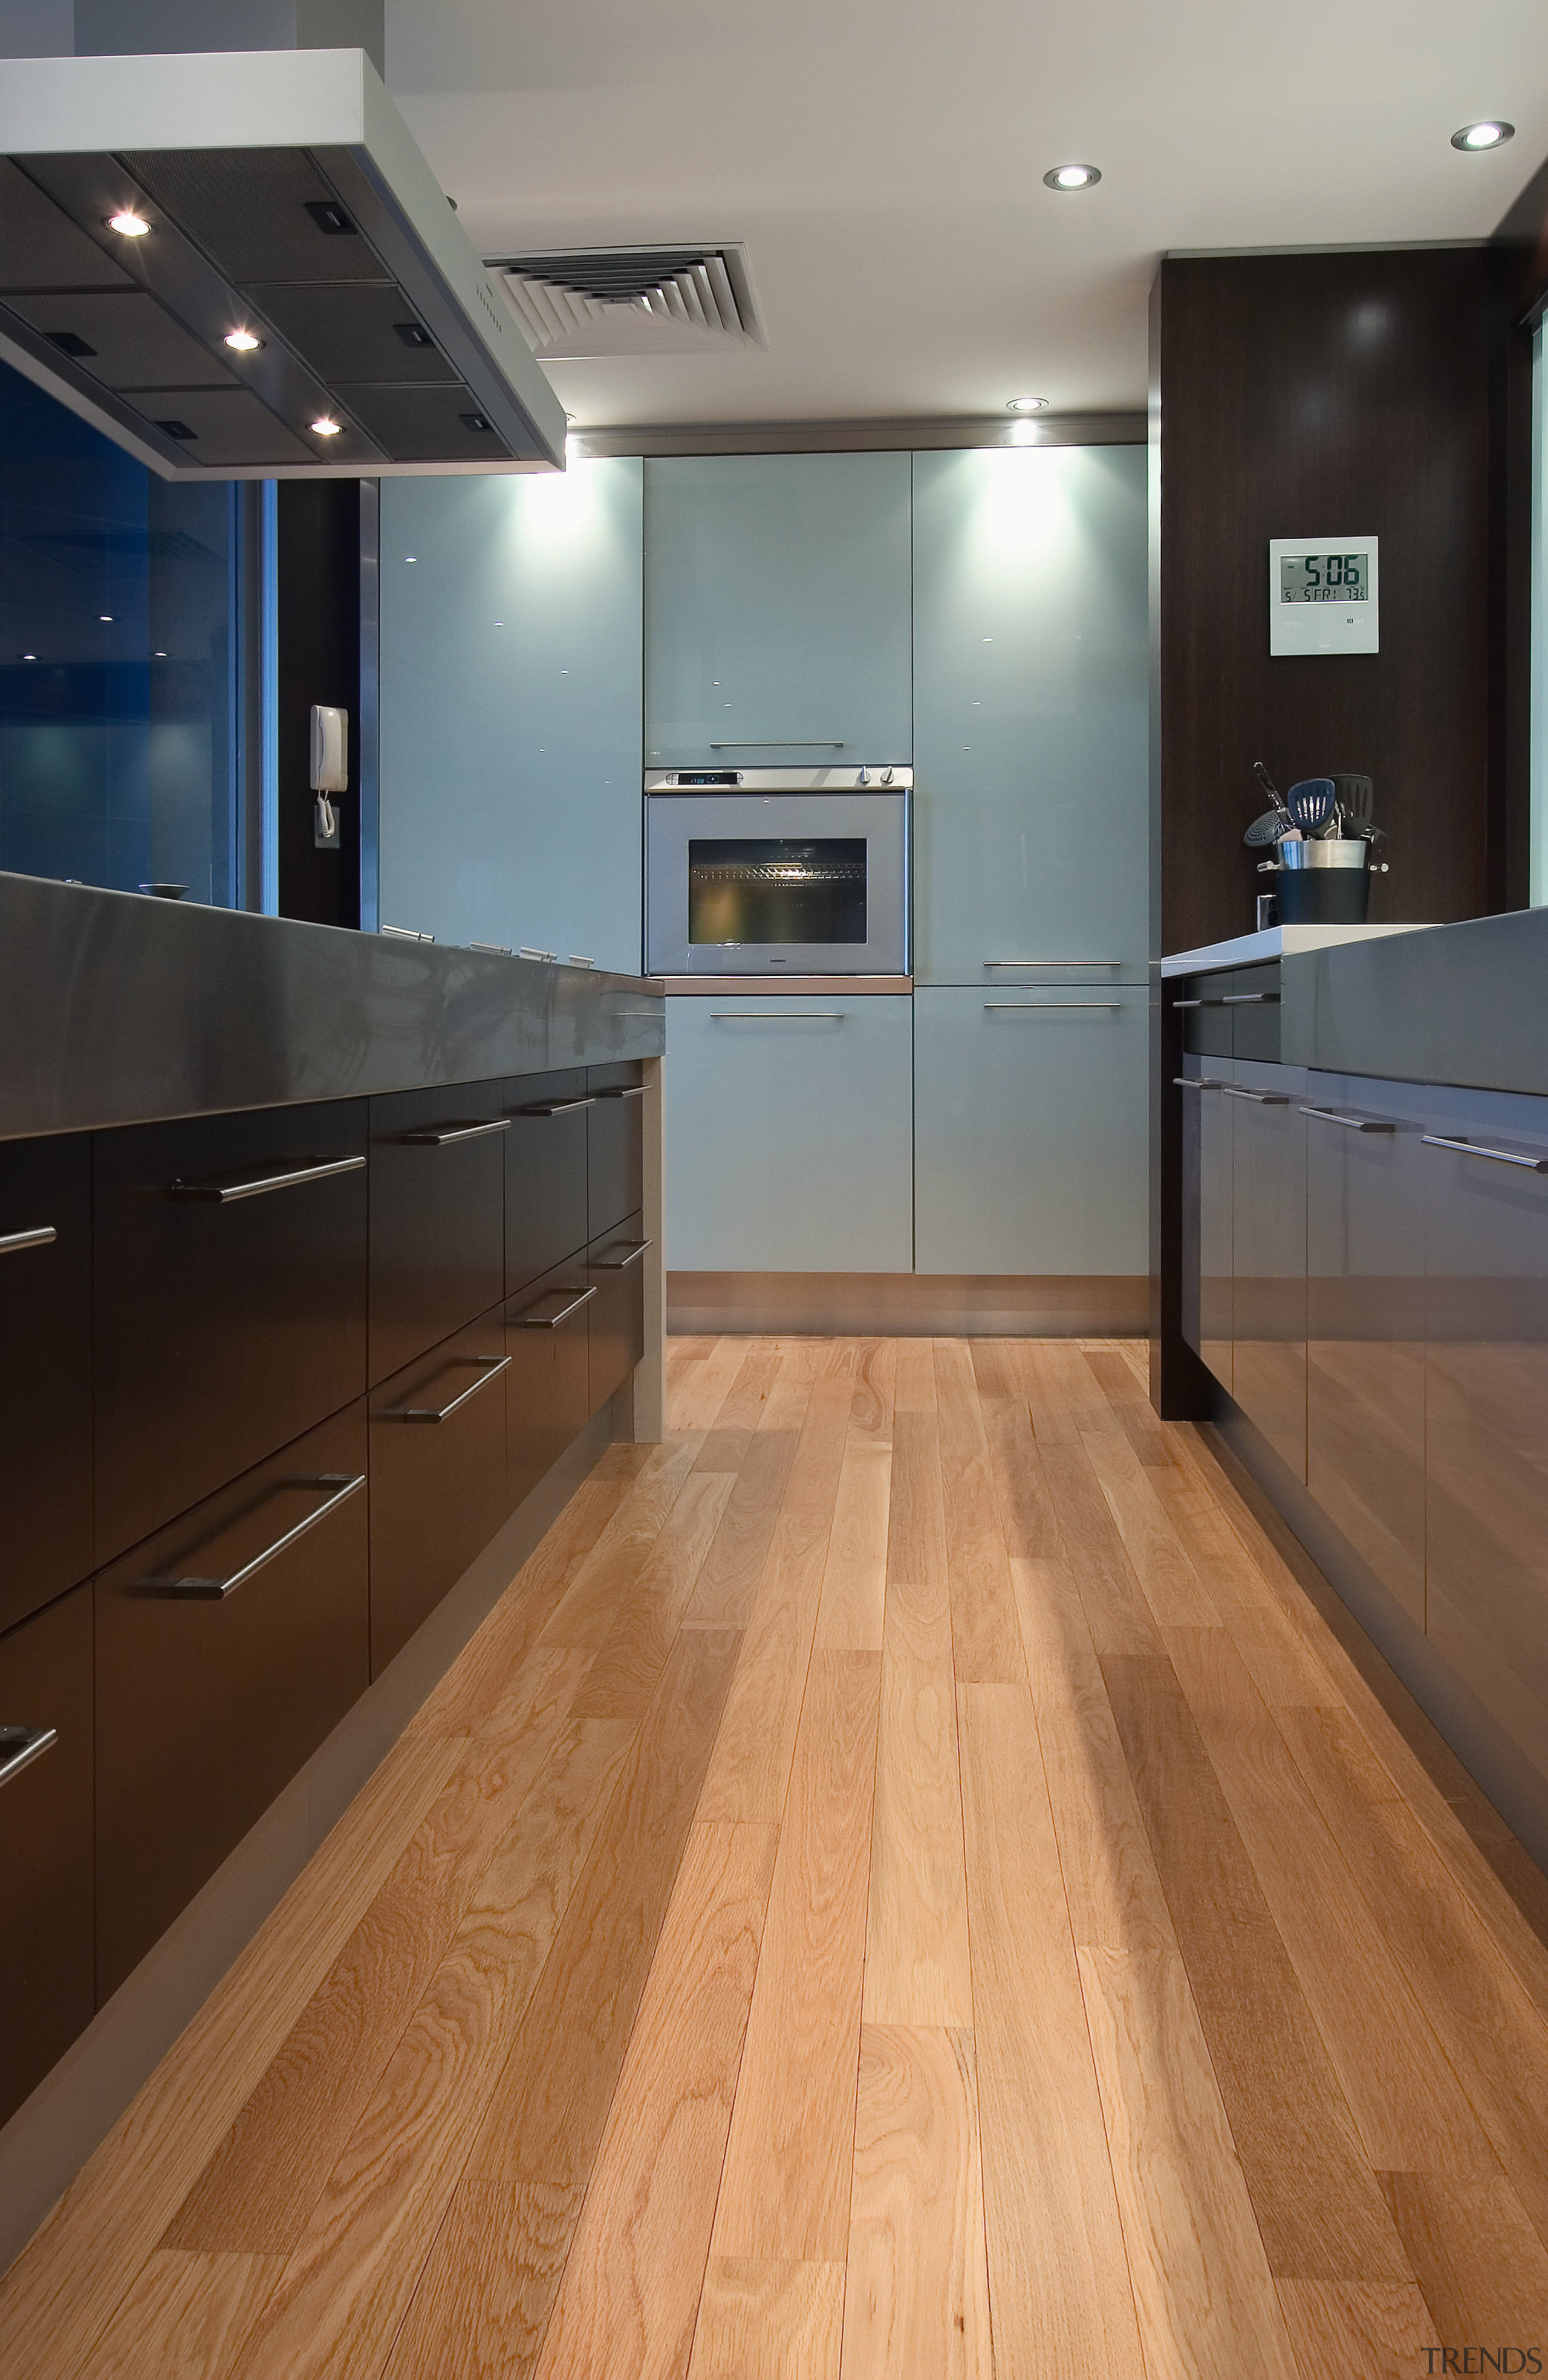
(632, 301)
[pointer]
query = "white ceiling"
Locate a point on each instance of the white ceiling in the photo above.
(883, 162)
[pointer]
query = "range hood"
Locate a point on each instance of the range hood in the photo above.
(284, 202)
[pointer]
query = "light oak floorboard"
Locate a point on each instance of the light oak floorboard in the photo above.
(1375, 2330)
(1172, 1587)
(186, 2316)
(1479, 2263)
(914, 1377)
(728, 1579)
(1058, 2277)
(986, 1640)
(917, 1968)
(916, 2304)
(632, 2284)
(590, 1604)
(850, 1614)
(785, 2194)
(764, 2321)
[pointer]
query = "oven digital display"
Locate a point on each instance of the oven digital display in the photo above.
(746, 890)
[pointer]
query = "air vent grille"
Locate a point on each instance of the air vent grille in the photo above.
(631, 301)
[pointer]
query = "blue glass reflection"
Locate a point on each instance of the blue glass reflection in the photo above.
(118, 657)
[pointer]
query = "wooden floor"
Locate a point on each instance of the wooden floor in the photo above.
(907, 1882)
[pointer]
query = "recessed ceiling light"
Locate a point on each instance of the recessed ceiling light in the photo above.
(1491, 134)
(325, 427)
(29, 657)
(106, 618)
(158, 655)
(1072, 177)
(243, 341)
(1026, 405)
(126, 222)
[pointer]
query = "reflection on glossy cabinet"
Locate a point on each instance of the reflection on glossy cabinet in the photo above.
(788, 1126)
(1365, 1324)
(1268, 1253)
(777, 608)
(437, 1477)
(1206, 1161)
(1030, 1136)
(510, 794)
(45, 1384)
(1486, 1390)
(47, 1987)
(1031, 694)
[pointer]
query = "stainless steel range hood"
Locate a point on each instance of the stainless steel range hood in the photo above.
(288, 202)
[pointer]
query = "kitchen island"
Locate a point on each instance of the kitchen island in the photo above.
(329, 1266)
(1352, 1232)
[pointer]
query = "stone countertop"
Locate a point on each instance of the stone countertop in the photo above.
(119, 1008)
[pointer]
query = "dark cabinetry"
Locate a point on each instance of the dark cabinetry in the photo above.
(545, 1174)
(437, 1219)
(226, 1649)
(1268, 1252)
(230, 1300)
(45, 1382)
(437, 1478)
(548, 1385)
(615, 1269)
(1365, 1324)
(46, 1986)
(615, 1184)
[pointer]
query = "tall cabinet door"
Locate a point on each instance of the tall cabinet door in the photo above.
(777, 609)
(510, 766)
(1365, 1324)
(1030, 708)
(1030, 1132)
(1486, 1401)
(788, 1124)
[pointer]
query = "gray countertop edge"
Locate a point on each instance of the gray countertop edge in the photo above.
(118, 1008)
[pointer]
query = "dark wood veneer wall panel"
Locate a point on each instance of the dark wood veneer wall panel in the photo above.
(1354, 391)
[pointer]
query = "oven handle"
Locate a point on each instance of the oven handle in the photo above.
(782, 744)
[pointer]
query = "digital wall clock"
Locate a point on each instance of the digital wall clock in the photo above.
(1323, 595)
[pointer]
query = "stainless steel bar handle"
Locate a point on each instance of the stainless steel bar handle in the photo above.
(214, 1590)
(1053, 963)
(621, 1264)
(1476, 1149)
(225, 1194)
(455, 1131)
(527, 951)
(558, 1106)
(1047, 1007)
(20, 1746)
(552, 1321)
(781, 744)
(1249, 1000)
(1197, 1083)
(777, 1016)
(495, 949)
(1199, 1003)
(1350, 1123)
(488, 1368)
(12, 1243)
(626, 1091)
(1259, 1098)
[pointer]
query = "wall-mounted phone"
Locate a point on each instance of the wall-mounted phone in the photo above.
(330, 770)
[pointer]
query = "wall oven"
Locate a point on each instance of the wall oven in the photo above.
(776, 871)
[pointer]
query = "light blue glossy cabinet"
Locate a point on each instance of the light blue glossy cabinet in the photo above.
(777, 609)
(510, 710)
(790, 1126)
(1031, 710)
(1030, 1131)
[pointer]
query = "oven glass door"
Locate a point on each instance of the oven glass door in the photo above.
(793, 884)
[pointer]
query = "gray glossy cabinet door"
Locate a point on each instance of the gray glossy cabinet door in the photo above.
(1207, 1220)
(777, 609)
(1486, 1400)
(510, 750)
(1032, 1132)
(1268, 1252)
(789, 1127)
(1031, 694)
(1365, 1324)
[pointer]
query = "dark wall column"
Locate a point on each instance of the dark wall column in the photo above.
(319, 661)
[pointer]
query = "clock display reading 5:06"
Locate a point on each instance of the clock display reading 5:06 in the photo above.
(1324, 578)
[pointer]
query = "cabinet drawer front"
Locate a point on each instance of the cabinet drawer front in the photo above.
(790, 1126)
(231, 1301)
(437, 1217)
(46, 1388)
(616, 1269)
(208, 1702)
(46, 1982)
(1268, 1252)
(1207, 1015)
(437, 1478)
(1032, 1132)
(548, 1385)
(614, 1148)
(545, 1174)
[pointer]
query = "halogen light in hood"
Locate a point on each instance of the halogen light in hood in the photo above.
(239, 265)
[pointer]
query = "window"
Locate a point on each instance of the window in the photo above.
(118, 657)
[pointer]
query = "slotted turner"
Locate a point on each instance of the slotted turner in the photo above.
(1312, 804)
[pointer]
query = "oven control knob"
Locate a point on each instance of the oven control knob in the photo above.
(864, 777)
(887, 776)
